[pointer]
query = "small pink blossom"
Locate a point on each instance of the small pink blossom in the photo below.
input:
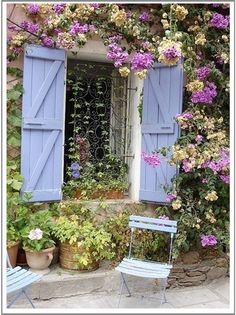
(208, 240)
(163, 217)
(170, 197)
(204, 180)
(199, 138)
(35, 234)
(151, 159)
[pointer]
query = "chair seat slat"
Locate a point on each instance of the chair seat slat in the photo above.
(18, 276)
(142, 273)
(146, 264)
(146, 271)
(23, 283)
(12, 270)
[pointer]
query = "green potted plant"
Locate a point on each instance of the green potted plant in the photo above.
(12, 242)
(83, 242)
(38, 241)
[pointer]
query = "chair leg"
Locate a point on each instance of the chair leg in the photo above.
(163, 285)
(26, 295)
(17, 297)
(126, 285)
(123, 282)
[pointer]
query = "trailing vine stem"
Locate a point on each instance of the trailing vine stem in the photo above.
(22, 28)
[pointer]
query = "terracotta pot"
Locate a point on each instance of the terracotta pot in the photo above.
(39, 260)
(12, 253)
(68, 260)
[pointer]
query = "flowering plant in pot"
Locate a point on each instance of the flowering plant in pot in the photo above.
(37, 239)
(83, 242)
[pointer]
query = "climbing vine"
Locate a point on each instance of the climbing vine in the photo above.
(137, 36)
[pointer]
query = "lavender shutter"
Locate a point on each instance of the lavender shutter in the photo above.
(43, 123)
(162, 100)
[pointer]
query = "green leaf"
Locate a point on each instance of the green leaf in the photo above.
(13, 95)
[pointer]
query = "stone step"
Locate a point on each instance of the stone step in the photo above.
(65, 283)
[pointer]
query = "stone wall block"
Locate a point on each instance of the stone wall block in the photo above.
(216, 272)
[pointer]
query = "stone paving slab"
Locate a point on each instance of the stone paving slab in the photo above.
(203, 297)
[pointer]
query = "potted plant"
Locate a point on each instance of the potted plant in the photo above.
(12, 242)
(38, 241)
(83, 243)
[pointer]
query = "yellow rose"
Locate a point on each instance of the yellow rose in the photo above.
(180, 12)
(176, 204)
(200, 39)
(119, 17)
(195, 86)
(124, 71)
(142, 74)
(212, 196)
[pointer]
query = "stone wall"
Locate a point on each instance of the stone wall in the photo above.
(194, 268)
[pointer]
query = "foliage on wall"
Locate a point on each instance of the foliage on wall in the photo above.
(137, 36)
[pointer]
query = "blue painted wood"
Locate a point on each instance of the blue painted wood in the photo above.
(139, 218)
(43, 123)
(162, 101)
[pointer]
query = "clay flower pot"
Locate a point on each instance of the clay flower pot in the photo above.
(39, 260)
(12, 253)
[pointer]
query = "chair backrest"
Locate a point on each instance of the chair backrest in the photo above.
(153, 224)
(168, 226)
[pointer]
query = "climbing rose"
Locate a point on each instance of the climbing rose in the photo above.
(208, 240)
(186, 115)
(59, 7)
(78, 28)
(141, 61)
(144, 16)
(219, 21)
(205, 96)
(170, 197)
(225, 178)
(199, 138)
(95, 5)
(47, 41)
(32, 8)
(35, 234)
(202, 72)
(117, 55)
(29, 26)
(151, 159)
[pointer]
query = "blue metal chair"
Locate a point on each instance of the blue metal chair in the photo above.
(18, 279)
(145, 268)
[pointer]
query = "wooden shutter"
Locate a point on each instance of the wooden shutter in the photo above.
(162, 101)
(43, 123)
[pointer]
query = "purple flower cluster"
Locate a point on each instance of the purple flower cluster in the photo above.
(76, 28)
(219, 21)
(208, 240)
(219, 165)
(186, 166)
(32, 8)
(47, 41)
(95, 5)
(59, 8)
(215, 5)
(186, 115)
(199, 138)
(170, 197)
(144, 16)
(225, 178)
(151, 159)
(117, 55)
(205, 96)
(75, 169)
(171, 53)
(202, 72)
(29, 26)
(141, 61)
(115, 39)
(12, 28)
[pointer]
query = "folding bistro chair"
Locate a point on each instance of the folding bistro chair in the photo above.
(145, 268)
(18, 279)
